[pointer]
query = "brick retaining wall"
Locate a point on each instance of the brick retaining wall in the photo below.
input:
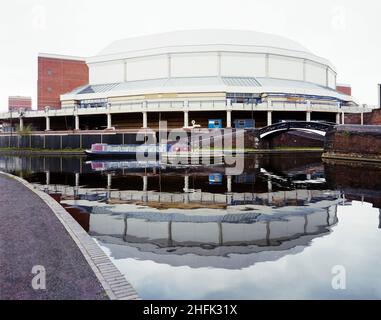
(354, 142)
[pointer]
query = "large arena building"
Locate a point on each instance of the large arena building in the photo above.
(221, 78)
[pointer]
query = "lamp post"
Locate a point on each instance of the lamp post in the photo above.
(21, 116)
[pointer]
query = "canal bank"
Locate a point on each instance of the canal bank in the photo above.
(353, 142)
(37, 152)
(38, 234)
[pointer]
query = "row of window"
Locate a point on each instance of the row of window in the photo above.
(93, 103)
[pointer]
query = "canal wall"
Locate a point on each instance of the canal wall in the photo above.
(62, 141)
(353, 142)
(358, 181)
(292, 139)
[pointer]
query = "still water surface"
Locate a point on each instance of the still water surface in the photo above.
(276, 231)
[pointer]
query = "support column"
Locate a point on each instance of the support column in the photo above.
(229, 194)
(21, 123)
(109, 180)
(186, 184)
(145, 183)
(76, 122)
(109, 124)
(220, 234)
(186, 119)
(228, 118)
(145, 120)
(337, 118)
(77, 179)
(76, 184)
(269, 118)
(229, 184)
(269, 191)
(170, 240)
(308, 116)
(362, 118)
(109, 184)
(47, 124)
(186, 189)
(343, 118)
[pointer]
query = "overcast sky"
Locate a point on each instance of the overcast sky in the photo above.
(346, 32)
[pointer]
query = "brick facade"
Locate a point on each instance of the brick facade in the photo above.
(344, 89)
(370, 118)
(59, 75)
(16, 103)
(354, 141)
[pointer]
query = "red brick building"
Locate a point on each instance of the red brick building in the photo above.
(57, 75)
(344, 88)
(16, 103)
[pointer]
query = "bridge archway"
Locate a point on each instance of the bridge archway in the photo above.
(319, 128)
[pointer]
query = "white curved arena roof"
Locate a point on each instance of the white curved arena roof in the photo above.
(202, 38)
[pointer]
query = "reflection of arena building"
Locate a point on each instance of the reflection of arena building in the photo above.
(201, 75)
(210, 240)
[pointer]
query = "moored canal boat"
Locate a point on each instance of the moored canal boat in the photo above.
(103, 150)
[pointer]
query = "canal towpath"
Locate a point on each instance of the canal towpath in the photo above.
(44, 256)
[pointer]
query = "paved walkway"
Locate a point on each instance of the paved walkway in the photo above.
(31, 235)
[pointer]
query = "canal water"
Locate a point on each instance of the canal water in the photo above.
(289, 227)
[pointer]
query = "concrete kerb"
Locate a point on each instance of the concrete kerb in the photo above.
(101, 265)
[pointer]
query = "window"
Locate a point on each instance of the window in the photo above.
(50, 89)
(49, 72)
(242, 97)
(93, 103)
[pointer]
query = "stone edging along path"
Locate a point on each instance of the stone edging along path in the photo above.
(114, 283)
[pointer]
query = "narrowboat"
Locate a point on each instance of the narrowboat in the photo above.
(125, 151)
(103, 150)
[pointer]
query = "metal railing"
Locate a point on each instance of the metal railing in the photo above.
(192, 105)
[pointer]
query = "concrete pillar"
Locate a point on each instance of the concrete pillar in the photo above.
(268, 233)
(186, 184)
(76, 184)
(337, 118)
(77, 179)
(186, 119)
(170, 240)
(21, 123)
(145, 183)
(47, 175)
(228, 119)
(308, 116)
(145, 120)
(229, 184)
(362, 118)
(220, 234)
(269, 118)
(76, 122)
(109, 124)
(47, 124)
(109, 181)
(343, 118)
